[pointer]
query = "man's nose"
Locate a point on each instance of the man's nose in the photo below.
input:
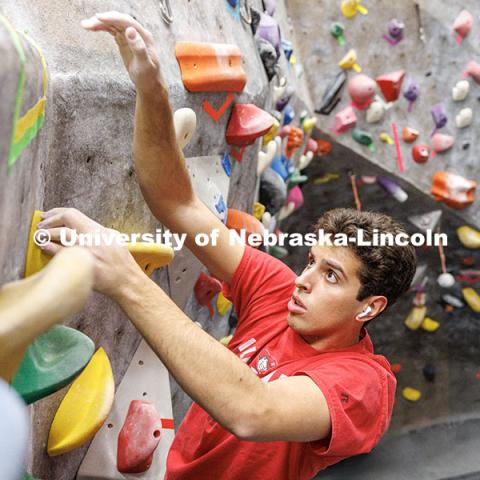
(303, 282)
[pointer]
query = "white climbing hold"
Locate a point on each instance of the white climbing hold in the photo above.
(376, 111)
(305, 160)
(446, 280)
(286, 211)
(185, 121)
(460, 90)
(464, 118)
(265, 158)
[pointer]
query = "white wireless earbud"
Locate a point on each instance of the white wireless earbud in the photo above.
(366, 312)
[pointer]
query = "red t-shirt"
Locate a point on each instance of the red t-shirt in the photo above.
(358, 385)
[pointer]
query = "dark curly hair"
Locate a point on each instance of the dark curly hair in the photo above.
(386, 270)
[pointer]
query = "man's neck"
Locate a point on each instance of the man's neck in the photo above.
(334, 342)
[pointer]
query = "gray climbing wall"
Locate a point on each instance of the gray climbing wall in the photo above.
(82, 156)
(437, 64)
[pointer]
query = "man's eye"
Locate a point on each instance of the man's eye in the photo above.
(311, 261)
(332, 276)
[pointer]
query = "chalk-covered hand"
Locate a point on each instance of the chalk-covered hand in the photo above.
(114, 265)
(136, 47)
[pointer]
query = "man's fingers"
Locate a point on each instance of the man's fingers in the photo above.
(136, 44)
(59, 234)
(51, 248)
(93, 24)
(122, 21)
(55, 220)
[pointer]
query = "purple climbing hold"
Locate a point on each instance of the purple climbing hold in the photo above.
(439, 117)
(270, 6)
(284, 99)
(269, 30)
(411, 92)
(226, 164)
(395, 31)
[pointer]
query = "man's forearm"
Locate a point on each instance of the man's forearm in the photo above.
(210, 373)
(160, 166)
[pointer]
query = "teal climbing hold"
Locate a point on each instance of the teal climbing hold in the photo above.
(51, 362)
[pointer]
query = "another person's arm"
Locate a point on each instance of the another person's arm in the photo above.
(159, 162)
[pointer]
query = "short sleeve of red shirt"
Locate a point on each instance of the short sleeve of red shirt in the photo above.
(261, 286)
(360, 411)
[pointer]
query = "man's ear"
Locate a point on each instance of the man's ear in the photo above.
(371, 307)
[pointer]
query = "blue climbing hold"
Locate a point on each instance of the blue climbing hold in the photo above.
(279, 166)
(233, 3)
(288, 115)
(287, 48)
(226, 164)
(220, 205)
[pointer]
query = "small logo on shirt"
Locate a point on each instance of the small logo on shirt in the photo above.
(265, 362)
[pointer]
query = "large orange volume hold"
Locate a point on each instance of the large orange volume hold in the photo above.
(242, 221)
(211, 67)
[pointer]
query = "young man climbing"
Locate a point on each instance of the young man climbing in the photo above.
(299, 387)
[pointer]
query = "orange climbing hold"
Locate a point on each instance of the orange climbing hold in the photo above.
(138, 438)
(211, 67)
(452, 189)
(241, 221)
(295, 140)
(247, 123)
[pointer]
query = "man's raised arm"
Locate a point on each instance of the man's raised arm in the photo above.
(160, 166)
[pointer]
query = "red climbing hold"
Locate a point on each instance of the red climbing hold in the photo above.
(390, 84)
(247, 123)
(138, 438)
(206, 288)
(421, 153)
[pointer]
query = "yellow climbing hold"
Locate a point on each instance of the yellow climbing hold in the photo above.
(325, 178)
(309, 124)
(351, 7)
(350, 61)
(472, 298)
(415, 317)
(386, 138)
(223, 304)
(429, 325)
(271, 133)
(469, 237)
(411, 394)
(84, 408)
(225, 340)
(258, 210)
(149, 256)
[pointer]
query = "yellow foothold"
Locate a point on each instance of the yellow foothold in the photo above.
(293, 60)
(149, 256)
(472, 298)
(258, 210)
(351, 7)
(325, 178)
(386, 138)
(469, 237)
(411, 394)
(270, 135)
(225, 340)
(415, 317)
(309, 124)
(223, 304)
(430, 325)
(84, 408)
(350, 61)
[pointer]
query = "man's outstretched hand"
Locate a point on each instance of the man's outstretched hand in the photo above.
(136, 47)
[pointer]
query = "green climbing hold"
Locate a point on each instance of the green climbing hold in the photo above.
(363, 138)
(296, 178)
(278, 251)
(337, 30)
(51, 362)
(27, 476)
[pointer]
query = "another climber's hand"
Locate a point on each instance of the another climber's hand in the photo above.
(114, 265)
(136, 46)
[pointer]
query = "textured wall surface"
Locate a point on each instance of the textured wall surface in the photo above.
(82, 157)
(436, 64)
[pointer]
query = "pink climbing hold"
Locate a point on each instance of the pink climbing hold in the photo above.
(295, 196)
(463, 25)
(206, 288)
(312, 146)
(138, 438)
(473, 69)
(442, 142)
(361, 89)
(344, 120)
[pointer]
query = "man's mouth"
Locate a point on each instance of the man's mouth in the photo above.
(295, 305)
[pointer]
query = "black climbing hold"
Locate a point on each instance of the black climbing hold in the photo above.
(256, 15)
(273, 191)
(429, 372)
(232, 320)
(268, 55)
(331, 97)
(466, 146)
